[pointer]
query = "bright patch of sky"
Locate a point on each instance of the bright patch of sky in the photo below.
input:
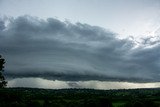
(56, 84)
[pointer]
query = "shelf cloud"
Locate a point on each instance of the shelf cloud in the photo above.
(54, 49)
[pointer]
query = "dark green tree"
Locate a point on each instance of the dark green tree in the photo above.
(3, 82)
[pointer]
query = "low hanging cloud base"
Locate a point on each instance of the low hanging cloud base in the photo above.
(53, 49)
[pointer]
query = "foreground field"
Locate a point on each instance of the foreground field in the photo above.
(30, 97)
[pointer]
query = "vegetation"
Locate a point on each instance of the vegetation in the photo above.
(30, 97)
(3, 83)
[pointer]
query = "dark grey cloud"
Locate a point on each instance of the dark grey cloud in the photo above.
(53, 49)
(2, 26)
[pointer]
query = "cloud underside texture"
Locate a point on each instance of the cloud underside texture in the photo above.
(53, 49)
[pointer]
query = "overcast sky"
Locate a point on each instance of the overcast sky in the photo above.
(87, 40)
(125, 17)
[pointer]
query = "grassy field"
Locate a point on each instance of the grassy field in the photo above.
(31, 97)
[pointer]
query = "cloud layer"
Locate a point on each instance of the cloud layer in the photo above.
(53, 49)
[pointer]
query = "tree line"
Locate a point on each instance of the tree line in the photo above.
(3, 82)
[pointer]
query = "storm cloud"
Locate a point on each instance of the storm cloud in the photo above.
(60, 50)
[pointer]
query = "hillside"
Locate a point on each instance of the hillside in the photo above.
(32, 97)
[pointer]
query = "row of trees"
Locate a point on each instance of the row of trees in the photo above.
(3, 82)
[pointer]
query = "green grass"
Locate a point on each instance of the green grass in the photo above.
(118, 104)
